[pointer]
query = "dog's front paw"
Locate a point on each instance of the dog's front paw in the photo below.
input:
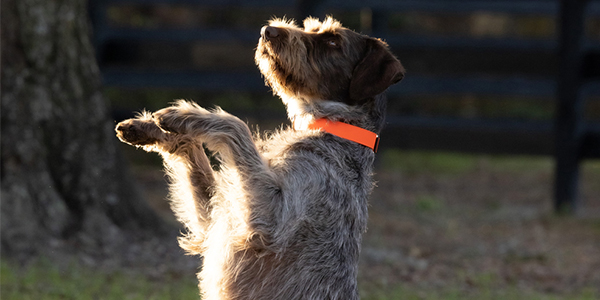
(138, 132)
(179, 117)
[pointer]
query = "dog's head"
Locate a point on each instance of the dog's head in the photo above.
(325, 61)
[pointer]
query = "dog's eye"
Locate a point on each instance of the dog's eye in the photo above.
(331, 43)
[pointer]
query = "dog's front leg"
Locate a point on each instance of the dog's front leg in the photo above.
(255, 190)
(192, 178)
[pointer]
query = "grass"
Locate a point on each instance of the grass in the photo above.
(483, 286)
(485, 293)
(413, 162)
(448, 163)
(428, 203)
(43, 280)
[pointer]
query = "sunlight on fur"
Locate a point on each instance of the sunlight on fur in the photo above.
(283, 215)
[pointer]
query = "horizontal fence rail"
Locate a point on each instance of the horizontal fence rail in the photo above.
(569, 49)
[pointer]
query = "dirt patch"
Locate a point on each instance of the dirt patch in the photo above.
(484, 227)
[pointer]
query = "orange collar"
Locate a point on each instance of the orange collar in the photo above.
(347, 131)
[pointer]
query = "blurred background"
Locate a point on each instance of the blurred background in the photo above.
(488, 178)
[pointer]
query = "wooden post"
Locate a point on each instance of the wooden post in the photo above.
(569, 118)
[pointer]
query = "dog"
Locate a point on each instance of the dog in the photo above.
(281, 216)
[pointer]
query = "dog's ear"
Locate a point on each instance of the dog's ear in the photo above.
(377, 71)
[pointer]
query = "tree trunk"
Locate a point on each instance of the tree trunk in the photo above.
(62, 176)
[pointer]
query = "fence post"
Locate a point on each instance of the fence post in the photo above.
(569, 129)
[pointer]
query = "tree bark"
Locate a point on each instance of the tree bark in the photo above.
(62, 176)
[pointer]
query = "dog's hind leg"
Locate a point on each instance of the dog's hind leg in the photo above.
(189, 169)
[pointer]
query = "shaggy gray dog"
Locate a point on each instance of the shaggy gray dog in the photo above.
(282, 217)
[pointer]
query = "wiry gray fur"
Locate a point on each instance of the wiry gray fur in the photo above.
(282, 217)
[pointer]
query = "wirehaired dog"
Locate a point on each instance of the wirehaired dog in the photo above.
(282, 216)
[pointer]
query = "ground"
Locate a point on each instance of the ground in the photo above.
(480, 223)
(442, 226)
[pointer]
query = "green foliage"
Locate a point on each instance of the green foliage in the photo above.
(43, 280)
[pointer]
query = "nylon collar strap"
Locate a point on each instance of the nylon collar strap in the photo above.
(348, 132)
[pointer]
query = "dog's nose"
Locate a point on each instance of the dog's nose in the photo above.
(269, 32)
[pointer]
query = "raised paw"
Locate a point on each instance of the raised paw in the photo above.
(138, 132)
(178, 118)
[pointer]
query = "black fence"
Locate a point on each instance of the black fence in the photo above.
(563, 68)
